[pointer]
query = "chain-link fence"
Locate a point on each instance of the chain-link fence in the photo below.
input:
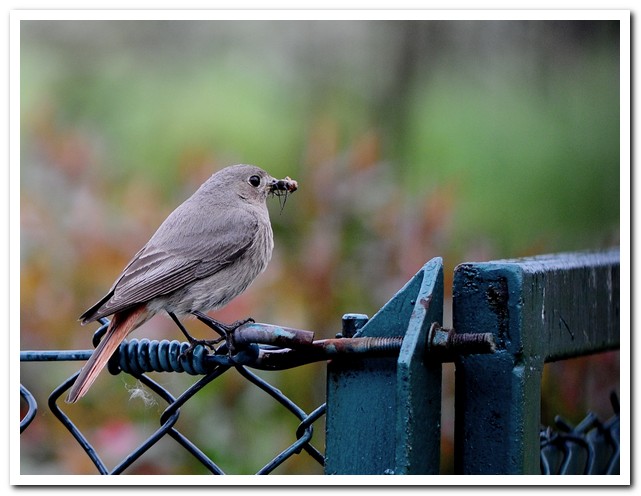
(383, 412)
(591, 447)
(137, 357)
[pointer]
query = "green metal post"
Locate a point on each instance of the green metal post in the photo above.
(540, 309)
(383, 414)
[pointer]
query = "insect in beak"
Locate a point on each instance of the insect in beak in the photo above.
(282, 188)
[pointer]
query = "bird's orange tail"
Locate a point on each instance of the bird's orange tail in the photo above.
(122, 323)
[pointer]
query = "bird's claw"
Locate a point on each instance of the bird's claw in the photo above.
(194, 343)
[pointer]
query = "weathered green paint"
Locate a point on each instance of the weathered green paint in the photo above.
(383, 414)
(539, 309)
(418, 384)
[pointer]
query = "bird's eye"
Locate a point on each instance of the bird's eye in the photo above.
(254, 181)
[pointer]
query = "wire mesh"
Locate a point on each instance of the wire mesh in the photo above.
(590, 447)
(131, 363)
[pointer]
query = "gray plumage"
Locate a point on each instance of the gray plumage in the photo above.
(217, 241)
(207, 252)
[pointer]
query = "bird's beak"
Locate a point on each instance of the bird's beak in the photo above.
(283, 186)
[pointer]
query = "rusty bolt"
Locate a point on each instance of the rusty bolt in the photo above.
(447, 342)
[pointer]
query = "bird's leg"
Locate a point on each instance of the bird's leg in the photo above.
(193, 342)
(225, 330)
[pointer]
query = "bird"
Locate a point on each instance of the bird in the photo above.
(204, 254)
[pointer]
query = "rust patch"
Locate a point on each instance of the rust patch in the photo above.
(425, 302)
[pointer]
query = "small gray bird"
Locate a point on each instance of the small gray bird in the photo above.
(207, 252)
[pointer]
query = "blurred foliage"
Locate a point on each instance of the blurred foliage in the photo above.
(466, 140)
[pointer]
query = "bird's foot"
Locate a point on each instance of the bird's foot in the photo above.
(194, 343)
(225, 331)
(220, 327)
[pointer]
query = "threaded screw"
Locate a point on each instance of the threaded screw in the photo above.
(446, 341)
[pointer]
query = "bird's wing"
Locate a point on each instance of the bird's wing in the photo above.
(179, 253)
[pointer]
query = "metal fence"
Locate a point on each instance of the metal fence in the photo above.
(510, 318)
(540, 310)
(591, 447)
(137, 357)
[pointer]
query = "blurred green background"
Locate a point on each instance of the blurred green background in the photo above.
(469, 140)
